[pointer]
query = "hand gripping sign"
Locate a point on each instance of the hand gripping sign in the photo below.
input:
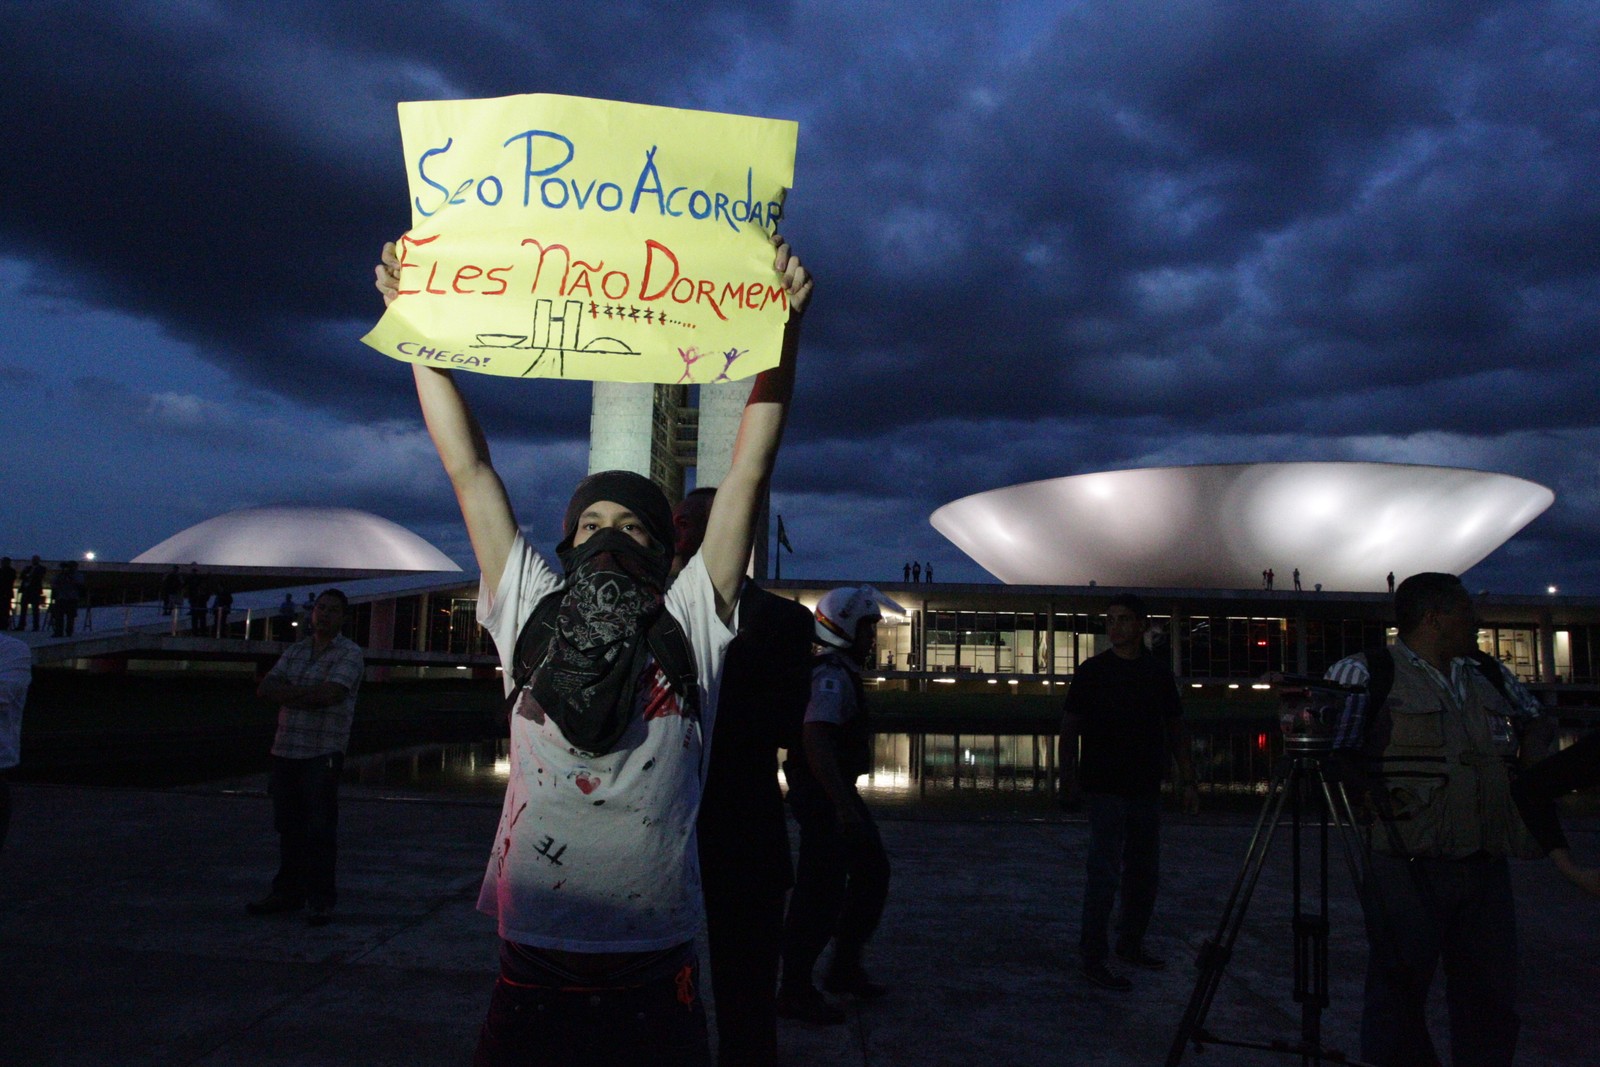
(559, 237)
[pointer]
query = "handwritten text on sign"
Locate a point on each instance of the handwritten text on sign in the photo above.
(561, 237)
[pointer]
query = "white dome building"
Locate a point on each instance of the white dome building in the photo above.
(1345, 526)
(301, 537)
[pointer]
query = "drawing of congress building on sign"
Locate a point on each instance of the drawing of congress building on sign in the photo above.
(560, 335)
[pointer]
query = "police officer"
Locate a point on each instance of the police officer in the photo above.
(842, 877)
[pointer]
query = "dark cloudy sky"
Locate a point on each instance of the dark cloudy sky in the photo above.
(1052, 238)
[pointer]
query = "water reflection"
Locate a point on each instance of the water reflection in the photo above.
(475, 768)
(910, 771)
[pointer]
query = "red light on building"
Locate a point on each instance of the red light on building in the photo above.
(1261, 742)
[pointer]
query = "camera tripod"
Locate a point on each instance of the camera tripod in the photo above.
(1300, 776)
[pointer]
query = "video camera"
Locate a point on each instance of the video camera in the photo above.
(1309, 710)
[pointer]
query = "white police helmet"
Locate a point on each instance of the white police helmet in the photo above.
(841, 610)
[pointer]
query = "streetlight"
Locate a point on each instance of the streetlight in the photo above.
(90, 557)
(1551, 590)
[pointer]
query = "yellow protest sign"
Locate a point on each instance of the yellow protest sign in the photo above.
(560, 237)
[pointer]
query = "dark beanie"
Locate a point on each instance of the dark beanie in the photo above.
(633, 491)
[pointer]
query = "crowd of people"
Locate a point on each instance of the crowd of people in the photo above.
(651, 634)
(650, 686)
(209, 602)
(36, 592)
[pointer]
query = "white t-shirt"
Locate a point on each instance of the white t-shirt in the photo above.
(598, 853)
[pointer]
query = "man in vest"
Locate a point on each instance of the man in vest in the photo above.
(842, 878)
(1431, 758)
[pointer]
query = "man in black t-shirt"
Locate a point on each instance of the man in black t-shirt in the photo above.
(1123, 705)
(743, 834)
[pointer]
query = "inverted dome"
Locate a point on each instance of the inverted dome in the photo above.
(283, 535)
(1344, 525)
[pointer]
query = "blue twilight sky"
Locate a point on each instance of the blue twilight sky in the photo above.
(1052, 238)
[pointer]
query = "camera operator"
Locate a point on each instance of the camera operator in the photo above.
(1429, 756)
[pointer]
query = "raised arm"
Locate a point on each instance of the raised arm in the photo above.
(730, 531)
(491, 524)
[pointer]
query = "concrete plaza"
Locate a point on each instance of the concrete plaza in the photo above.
(123, 940)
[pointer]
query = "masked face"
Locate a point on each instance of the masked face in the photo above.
(608, 515)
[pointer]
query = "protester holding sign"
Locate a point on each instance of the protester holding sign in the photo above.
(593, 876)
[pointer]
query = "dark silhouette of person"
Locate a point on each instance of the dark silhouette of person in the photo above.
(283, 621)
(927, 571)
(745, 867)
(1124, 714)
(1297, 579)
(171, 587)
(65, 594)
(1270, 576)
(222, 607)
(908, 573)
(30, 588)
(1391, 583)
(194, 591)
(842, 877)
(8, 583)
(916, 572)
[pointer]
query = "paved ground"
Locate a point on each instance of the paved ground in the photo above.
(123, 941)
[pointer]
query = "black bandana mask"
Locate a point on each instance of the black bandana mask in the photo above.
(594, 645)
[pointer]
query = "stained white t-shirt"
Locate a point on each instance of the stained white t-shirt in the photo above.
(598, 853)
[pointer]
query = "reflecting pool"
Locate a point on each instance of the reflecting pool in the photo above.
(912, 773)
(1006, 772)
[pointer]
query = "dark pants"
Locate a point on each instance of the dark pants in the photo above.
(840, 886)
(28, 601)
(662, 1024)
(63, 618)
(1124, 855)
(305, 812)
(744, 932)
(1422, 911)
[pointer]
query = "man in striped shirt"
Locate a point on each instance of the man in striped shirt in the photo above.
(314, 684)
(1430, 755)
